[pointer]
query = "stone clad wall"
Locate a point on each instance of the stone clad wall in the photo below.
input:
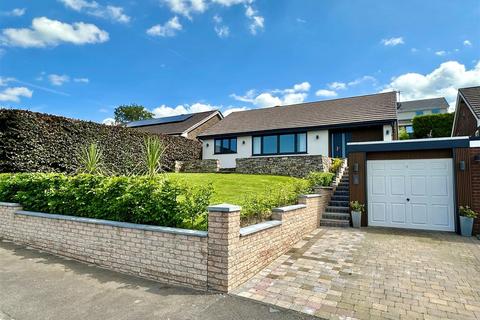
(297, 166)
(193, 166)
(165, 254)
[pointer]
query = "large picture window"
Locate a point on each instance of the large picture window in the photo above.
(290, 143)
(226, 145)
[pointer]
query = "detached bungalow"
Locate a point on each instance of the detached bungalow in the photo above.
(467, 112)
(320, 128)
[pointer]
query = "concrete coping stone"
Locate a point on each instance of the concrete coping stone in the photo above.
(183, 232)
(224, 207)
(259, 227)
(289, 208)
(326, 188)
(10, 204)
(313, 195)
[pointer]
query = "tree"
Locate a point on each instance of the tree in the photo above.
(133, 112)
(433, 125)
(403, 135)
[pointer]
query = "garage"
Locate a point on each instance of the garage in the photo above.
(413, 194)
(413, 184)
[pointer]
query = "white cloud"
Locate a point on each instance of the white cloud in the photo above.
(337, 85)
(467, 43)
(391, 42)
(109, 122)
(362, 80)
(186, 7)
(277, 97)
(81, 80)
(221, 30)
(13, 94)
(257, 22)
(166, 111)
(300, 20)
(325, 93)
(169, 29)
(443, 81)
(440, 53)
(93, 8)
(5, 80)
(45, 32)
(229, 3)
(58, 80)
(17, 12)
(229, 110)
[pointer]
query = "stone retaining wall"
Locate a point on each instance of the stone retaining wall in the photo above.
(220, 259)
(296, 166)
(194, 166)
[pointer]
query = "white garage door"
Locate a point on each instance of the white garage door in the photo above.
(414, 194)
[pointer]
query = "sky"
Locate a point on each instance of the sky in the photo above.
(83, 58)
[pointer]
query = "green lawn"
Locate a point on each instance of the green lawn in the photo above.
(232, 188)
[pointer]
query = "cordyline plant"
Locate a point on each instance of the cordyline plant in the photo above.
(154, 151)
(90, 159)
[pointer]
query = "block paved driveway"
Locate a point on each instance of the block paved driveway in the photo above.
(374, 273)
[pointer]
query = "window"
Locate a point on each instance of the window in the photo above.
(419, 113)
(227, 145)
(290, 143)
(436, 111)
(409, 129)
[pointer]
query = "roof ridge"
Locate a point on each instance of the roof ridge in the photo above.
(318, 101)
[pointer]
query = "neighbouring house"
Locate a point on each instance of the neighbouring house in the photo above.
(467, 112)
(185, 125)
(320, 128)
(407, 110)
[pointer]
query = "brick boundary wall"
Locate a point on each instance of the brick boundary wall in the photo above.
(219, 260)
(475, 176)
(252, 248)
(196, 166)
(168, 255)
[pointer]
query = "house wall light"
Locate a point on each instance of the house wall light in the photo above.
(207, 145)
(243, 142)
(317, 137)
(387, 132)
(462, 165)
(476, 158)
(355, 167)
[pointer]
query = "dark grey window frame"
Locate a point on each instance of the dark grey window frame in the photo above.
(262, 153)
(229, 145)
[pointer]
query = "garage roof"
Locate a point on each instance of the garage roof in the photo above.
(410, 145)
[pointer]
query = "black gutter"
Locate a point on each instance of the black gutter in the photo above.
(410, 145)
(297, 129)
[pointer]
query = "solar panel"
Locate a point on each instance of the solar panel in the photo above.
(163, 120)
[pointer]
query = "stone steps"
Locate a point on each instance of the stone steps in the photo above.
(337, 213)
(335, 223)
(336, 216)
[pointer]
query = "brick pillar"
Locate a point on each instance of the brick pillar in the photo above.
(314, 203)
(223, 238)
(7, 211)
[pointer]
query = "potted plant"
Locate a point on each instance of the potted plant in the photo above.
(466, 220)
(357, 210)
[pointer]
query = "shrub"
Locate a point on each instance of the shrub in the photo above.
(323, 179)
(403, 134)
(258, 207)
(357, 206)
(336, 164)
(434, 125)
(91, 160)
(154, 150)
(467, 212)
(36, 142)
(138, 199)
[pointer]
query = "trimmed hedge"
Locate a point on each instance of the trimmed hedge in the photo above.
(137, 199)
(36, 142)
(439, 125)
